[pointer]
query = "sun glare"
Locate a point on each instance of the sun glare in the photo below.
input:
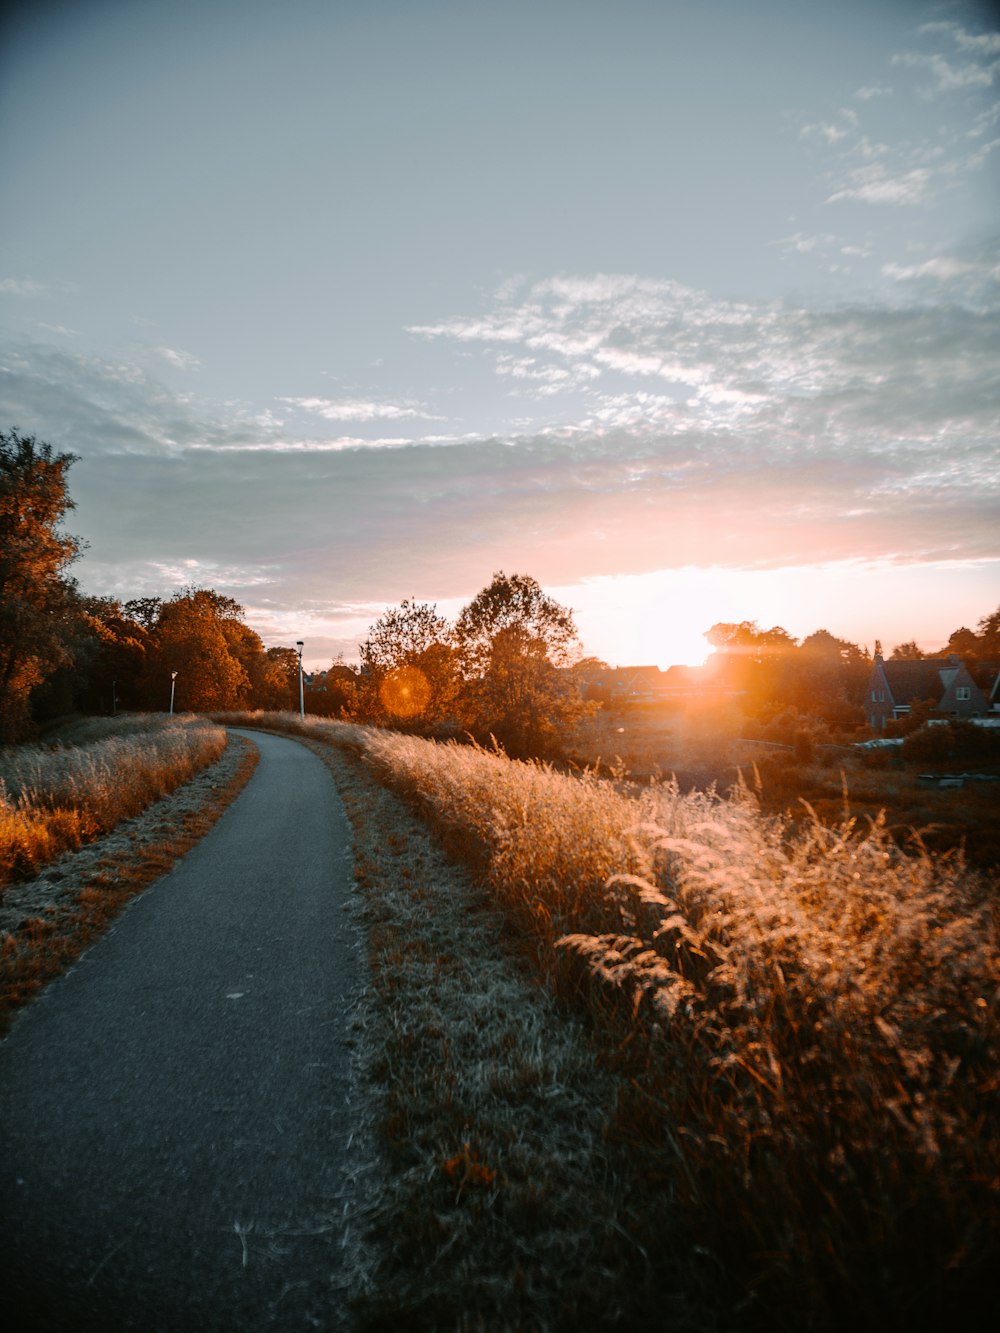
(405, 692)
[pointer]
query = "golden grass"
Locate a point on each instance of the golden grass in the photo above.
(58, 796)
(817, 1012)
(805, 1017)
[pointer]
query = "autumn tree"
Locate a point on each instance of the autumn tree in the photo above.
(407, 668)
(512, 638)
(200, 634)
(276, 679)
(989, 636)
(36, 596)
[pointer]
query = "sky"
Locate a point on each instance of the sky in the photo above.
(688, 311)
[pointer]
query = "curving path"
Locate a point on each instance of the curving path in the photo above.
(174, 1112)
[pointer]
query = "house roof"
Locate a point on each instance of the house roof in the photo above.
(927, 678)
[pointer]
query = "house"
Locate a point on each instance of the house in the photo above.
(895, 686)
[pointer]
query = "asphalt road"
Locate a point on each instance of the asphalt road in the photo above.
(175, 1127)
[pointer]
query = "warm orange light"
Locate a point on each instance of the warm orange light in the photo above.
(405, 692)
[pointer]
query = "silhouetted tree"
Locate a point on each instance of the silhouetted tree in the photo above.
(752, 661)
(511, 639)
(907, 652)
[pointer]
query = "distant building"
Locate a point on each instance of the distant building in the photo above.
(944, 682)
(634, 685)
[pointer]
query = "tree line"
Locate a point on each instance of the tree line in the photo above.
(508, 668)
(495, 672)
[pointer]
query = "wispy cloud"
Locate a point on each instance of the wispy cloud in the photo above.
(693, 430)
(874, 184)
(27, 287)
(902, 156)
(177, 359)
(360, 409)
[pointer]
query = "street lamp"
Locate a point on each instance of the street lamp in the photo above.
(302, 689)
(173, 681)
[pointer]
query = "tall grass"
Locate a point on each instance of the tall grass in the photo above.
(55, 797)
(810, 1017)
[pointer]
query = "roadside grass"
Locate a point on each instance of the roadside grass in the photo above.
(49, 921)
(81, 783)
(802, 1020)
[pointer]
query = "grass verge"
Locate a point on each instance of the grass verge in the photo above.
(58, 796)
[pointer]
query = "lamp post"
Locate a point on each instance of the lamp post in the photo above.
(302, 689)
(173, 682)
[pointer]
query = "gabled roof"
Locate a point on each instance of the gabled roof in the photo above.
(927, 678)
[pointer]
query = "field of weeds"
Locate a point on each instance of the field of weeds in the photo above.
(87, 778)
(803, 1015)
(810, 1017)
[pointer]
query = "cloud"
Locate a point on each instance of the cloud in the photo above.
(27, 287)
(917, 155)
(875, 185)
(177, 359)
(949, 77)
(695, 431)
(360, 409)
(969, 277)
(941, 269)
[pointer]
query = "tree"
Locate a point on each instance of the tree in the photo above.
(511, 639)
(907, 652)
(827, 677)
(200, 634)
(109, 657)
(514, 603)
(964, 642)
(407, 670)
(36, 597)
(751, 660)
(989, 636)
(276, 682)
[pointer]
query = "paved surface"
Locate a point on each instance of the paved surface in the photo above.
(174, 1127)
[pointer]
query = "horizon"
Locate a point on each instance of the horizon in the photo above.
(688, 313)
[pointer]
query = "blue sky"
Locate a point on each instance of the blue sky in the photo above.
(688, 311)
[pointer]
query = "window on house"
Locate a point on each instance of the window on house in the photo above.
(963, 692)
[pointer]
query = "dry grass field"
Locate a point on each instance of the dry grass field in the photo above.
(801, 1016)
(88, 777)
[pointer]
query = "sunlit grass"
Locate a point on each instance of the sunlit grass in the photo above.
(57, 796)
(805, 1016)
(817, 1010)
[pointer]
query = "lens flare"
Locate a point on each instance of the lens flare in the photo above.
(405, 692)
